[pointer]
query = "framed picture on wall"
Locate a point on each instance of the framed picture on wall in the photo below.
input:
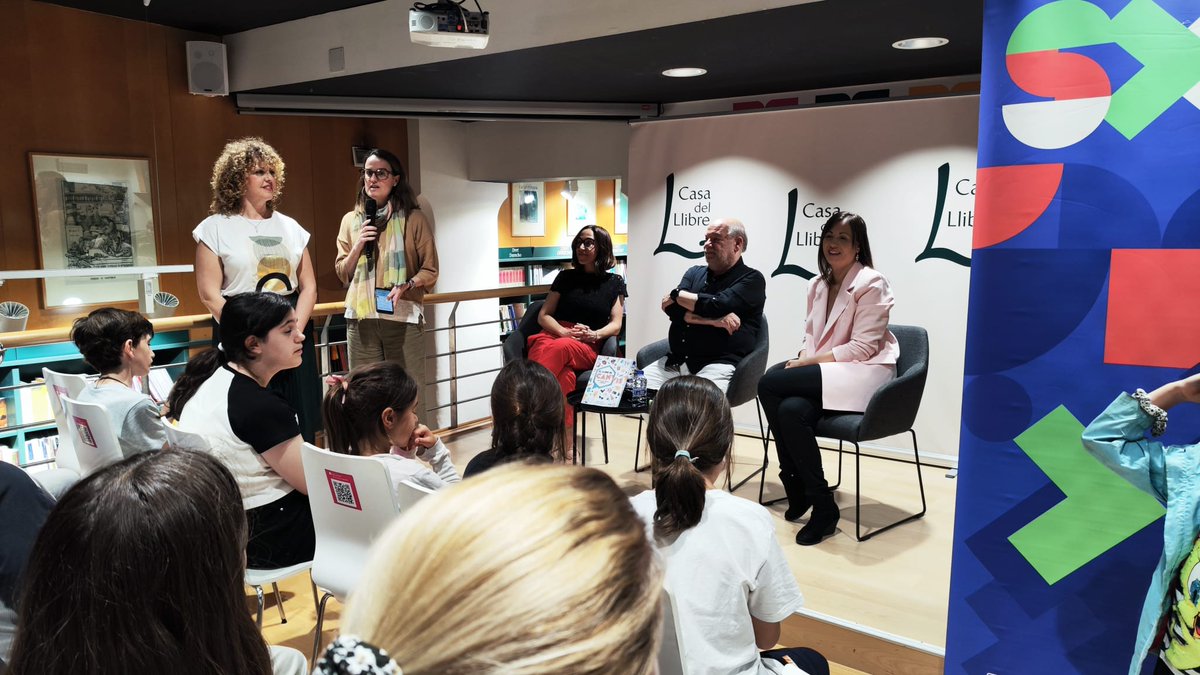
(92, 212)
(528, 209)
(620, 209)
(582, 207)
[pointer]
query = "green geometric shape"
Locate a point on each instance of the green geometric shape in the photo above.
(1168, 51)
(1061, 25)
(1101, 509)
(1170, 56)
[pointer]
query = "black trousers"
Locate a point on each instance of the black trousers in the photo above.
(791, 398)
(810, 661)
(281, 533)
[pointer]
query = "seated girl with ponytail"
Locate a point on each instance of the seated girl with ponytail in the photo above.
(223, 396)
(527, 417)
(725, 571)
(372, 412)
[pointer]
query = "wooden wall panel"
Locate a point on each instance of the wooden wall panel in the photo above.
(83, 83)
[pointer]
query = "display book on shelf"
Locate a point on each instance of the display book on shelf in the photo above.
(34, 446)
(535, 266)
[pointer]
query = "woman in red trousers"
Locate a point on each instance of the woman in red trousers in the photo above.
(582, 310)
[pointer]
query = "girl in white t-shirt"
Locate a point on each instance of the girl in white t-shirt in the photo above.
(372, 412)
(725, 571)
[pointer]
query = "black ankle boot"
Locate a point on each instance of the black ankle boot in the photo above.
(798, 502)
(824, 519)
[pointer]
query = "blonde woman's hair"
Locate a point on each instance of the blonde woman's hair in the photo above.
(523, 569)
(229, 173)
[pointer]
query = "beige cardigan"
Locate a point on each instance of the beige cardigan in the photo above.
(420, 253)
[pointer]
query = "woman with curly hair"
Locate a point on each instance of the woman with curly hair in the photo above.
(246, 245)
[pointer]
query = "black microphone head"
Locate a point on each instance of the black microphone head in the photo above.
(369, 208)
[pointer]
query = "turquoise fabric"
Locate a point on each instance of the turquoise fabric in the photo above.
(1118, 439)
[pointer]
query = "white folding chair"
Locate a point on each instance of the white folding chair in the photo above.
(96, 443)
(408, 494)
(670, 652)
(352, 503)
(178, 439)
(59, 385)
(257, 578)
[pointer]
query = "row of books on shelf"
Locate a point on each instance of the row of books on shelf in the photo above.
(537, 274)
(510, 316)
(34, 407)
(33, 451)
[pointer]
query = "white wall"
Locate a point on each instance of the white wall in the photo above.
(464, 215)
(510, 152)
(880, 160)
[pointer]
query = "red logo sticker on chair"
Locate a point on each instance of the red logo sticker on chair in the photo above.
(341, 488)
(84, 431)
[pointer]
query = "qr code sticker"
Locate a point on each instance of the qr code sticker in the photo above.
(341, 487)
(85, 431)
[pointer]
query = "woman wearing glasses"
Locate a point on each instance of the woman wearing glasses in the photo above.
(387, 262)
(582, 310)
(248, 246)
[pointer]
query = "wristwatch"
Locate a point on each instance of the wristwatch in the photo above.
(674, 294)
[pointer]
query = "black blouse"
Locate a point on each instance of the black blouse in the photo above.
(587, 298)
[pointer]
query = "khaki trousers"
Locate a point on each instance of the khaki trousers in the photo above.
(373, 340)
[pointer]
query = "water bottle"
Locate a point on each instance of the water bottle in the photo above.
(637, 388)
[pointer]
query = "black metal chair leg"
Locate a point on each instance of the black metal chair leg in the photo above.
(762, 480)
(885, 528)
(583, 441)
(762, 470)
(604, 434)
(839, 480)
(637, 450)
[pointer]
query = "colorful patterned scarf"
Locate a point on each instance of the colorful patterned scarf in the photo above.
(360, 297)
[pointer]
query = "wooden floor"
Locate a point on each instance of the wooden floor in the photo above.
(894, 587)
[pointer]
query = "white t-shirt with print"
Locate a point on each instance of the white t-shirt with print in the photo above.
(257, 255)
(719, 573)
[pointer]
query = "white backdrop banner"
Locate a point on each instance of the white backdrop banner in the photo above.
(908, 167)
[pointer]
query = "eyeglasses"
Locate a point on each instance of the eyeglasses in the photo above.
(377, 174)
(587, 244)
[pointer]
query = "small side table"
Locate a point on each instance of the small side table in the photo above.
(625, 407)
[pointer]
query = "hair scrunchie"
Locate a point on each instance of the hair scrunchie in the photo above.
(348, 655)
(686, 454)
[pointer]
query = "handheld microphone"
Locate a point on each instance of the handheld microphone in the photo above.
(369, 208)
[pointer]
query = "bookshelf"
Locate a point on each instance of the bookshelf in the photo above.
(28, 428)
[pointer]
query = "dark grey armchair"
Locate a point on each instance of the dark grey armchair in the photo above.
(743, 387)
(514, 344)
(892, 410)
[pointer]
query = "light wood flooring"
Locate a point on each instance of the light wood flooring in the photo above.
(894, 587)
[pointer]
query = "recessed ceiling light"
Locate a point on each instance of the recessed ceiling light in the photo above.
(920, 43)
(684, 72)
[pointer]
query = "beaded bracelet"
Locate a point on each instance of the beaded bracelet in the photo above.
(1156, 414)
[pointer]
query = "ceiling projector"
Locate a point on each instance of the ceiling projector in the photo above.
(446, 24)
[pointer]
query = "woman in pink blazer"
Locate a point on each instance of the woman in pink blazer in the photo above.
(847, 354)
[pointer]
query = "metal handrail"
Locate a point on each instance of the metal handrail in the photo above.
(324, 345)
